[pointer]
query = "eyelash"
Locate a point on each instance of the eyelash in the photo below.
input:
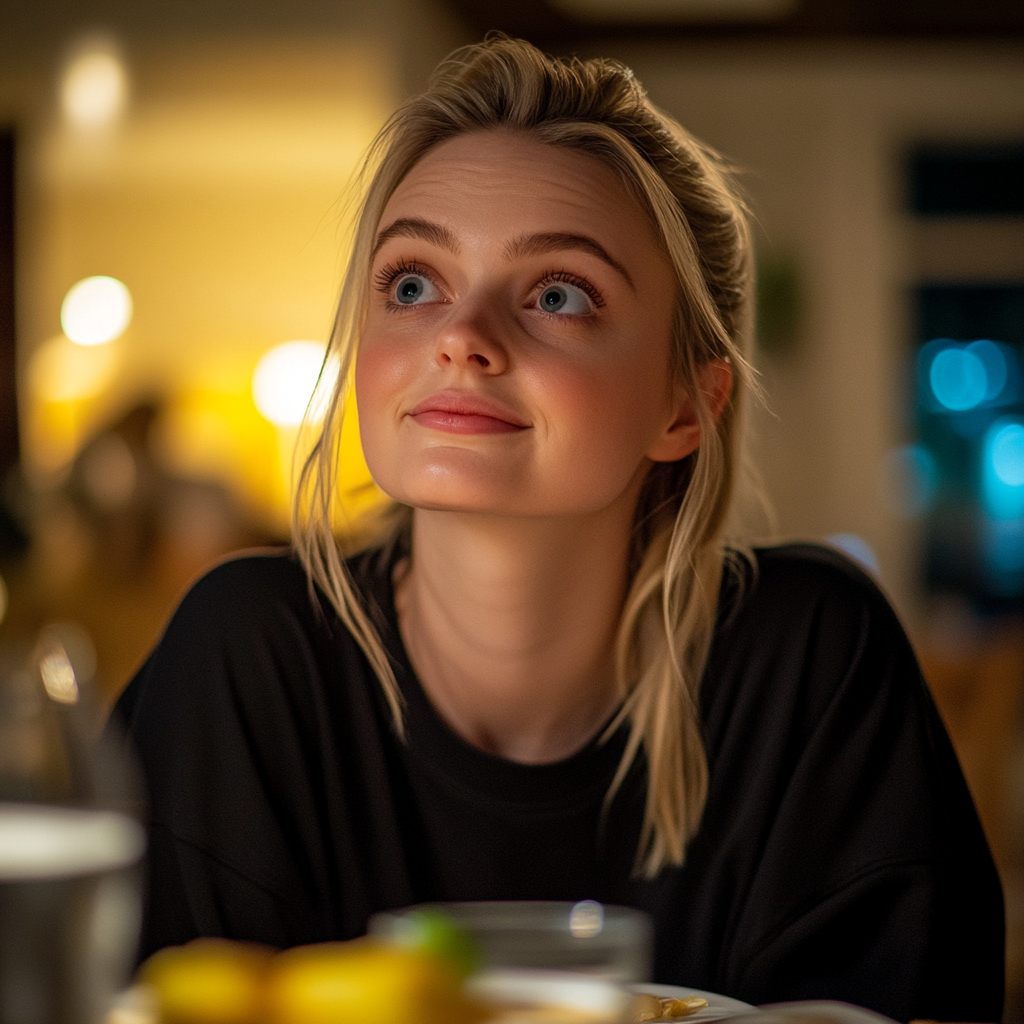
(390, 272)
(567, 277)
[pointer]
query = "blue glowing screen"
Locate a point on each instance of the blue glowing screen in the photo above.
(969, 412)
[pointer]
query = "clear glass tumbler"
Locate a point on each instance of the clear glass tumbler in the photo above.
(607, 942)
(70, 845)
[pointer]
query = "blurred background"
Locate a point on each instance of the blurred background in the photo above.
(173, 227)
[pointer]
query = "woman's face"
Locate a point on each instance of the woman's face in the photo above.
(515, 357)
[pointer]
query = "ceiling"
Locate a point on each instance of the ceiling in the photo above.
(556, 23)
(552, 23)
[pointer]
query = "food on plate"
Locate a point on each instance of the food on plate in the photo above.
(366, 982)
(683, 1007)
(428, 972)
(208, 981)
(647, 1007)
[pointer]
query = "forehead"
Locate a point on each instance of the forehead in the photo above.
(511, 184)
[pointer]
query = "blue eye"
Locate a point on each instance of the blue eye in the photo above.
(415, 288)
(411, 290)
(564, 298)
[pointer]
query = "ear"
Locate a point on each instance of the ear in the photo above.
(682, 436)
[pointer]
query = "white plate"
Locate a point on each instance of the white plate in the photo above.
(718, 1006)
(505, 986)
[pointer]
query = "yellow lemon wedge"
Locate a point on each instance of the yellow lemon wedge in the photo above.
(208, 981)
(366, 982)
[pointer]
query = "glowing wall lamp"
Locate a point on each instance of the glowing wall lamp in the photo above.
(285, 379)
(94, 86)
(96, 310)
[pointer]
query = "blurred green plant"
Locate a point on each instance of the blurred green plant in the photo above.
(778, 306)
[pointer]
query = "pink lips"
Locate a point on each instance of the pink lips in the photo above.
(456, 412)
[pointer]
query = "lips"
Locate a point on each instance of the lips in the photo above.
(456, 412)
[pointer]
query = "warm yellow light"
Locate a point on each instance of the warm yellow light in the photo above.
(285, 379)
(96, 310)
(61, 372)
(94, 88)
(59, 677)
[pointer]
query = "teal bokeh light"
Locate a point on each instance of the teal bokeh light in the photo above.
(1003, 469)
(994, 360)
(958, 378)
(1008, 454)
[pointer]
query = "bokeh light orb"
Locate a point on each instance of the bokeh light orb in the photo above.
(958, 379)
(1003, 476)
(96, 310)
(1006, 450)
(284, 381)
(993, 359)
(94, 87)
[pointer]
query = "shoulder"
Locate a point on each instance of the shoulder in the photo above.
(244, 627)
(253, 661)
(252, 583)
(800, 625)
(255, 616)
(811, 572)
(792, 585)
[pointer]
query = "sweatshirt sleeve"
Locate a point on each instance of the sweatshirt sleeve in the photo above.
(225, 716)
(874, 882)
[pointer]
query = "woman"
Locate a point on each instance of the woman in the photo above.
(545, 675)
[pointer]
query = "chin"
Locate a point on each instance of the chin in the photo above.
(451, 482)
(504, 499)
(453, 497)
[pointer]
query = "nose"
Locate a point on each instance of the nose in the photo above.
(468, 342)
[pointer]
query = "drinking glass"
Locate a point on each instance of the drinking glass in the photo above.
(70, 844)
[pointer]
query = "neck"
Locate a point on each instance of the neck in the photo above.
(510, 625)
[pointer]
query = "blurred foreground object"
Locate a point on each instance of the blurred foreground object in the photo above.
(365, 981)
(208, 981)
(818, 1011)
(417, 976)
(601, 941)
(69, 842)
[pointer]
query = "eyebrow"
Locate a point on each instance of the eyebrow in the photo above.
(527, 245)
(413, 227)
(557, 241)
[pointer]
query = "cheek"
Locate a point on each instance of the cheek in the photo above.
(383, 372)
(378, 377)
(379, 370)
(609, 412)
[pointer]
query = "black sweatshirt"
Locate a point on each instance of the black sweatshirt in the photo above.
(839, 854)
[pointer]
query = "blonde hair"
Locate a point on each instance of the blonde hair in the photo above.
(596, 107)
